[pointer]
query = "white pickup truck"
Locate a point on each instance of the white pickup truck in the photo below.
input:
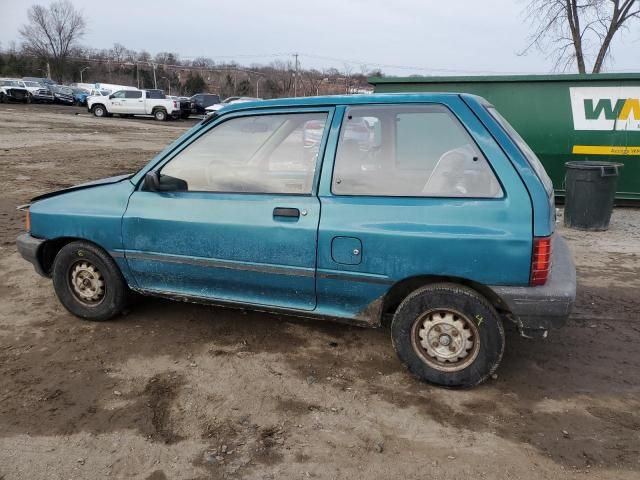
(134, 102)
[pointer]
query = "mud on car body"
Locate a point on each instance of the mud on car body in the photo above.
(424, 209)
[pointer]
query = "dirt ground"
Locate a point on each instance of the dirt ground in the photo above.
(179, 391)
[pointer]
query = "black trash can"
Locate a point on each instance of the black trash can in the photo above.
(590, 192)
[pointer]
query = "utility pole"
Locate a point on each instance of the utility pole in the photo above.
(155, 84)
(295, 78)
(82, 70)
(138, 75)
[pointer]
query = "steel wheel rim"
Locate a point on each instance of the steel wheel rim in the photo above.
(87, 283)
(99, 111)
(445, 339)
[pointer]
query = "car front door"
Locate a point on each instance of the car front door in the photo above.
(117, 101)
(245, 230)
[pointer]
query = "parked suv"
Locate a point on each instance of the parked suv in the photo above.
(37, 91)
(439, 219)
(200, 101)
(134, 102)
(12, 91)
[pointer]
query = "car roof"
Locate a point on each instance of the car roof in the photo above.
(333, 100)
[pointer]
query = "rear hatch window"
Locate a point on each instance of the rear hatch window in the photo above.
(531, 157)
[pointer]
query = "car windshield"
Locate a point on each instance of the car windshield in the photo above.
(531, 157)
(32, 84)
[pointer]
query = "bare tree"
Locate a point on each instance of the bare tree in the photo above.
(52, 32)
(576, 31)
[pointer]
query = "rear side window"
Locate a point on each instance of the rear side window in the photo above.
(133, 94)
(532, 158)
(409, 151)
(155, 94)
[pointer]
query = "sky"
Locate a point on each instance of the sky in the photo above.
(402, 37)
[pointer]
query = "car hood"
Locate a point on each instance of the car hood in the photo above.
(102, 181)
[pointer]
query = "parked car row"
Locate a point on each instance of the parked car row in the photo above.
(44, 90)
(104, 99)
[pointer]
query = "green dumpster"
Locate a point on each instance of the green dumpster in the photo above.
(562, 117)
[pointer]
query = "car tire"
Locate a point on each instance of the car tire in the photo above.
(160, 114)
(99, 111)
(185, 115)
(449, 335)
(29, 98)
(88, 282)
(2, 99)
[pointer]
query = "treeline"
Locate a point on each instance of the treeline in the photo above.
(168, 72)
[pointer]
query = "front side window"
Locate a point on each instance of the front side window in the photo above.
(253, 154)
(119, 94)
(409, 151)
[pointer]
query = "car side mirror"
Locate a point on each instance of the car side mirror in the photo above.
(153, 182)
(110, 97)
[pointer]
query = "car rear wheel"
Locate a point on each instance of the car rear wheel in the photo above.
(88, 282)
(160, 114)
(99, 111)
(448, 335)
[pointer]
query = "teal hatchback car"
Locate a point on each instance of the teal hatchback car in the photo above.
(425, 211)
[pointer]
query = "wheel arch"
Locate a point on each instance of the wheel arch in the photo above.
(49, 250)
(401, 289)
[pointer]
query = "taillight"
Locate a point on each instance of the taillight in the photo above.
(540, 260)
(27, 221)
(175, 104)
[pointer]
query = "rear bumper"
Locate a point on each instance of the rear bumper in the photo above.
(538, 309)
(29, 248)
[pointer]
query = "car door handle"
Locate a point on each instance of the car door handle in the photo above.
(286, 212)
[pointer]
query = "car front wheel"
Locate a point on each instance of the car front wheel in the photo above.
(99, 111)
(448, 335)
(88, 282)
